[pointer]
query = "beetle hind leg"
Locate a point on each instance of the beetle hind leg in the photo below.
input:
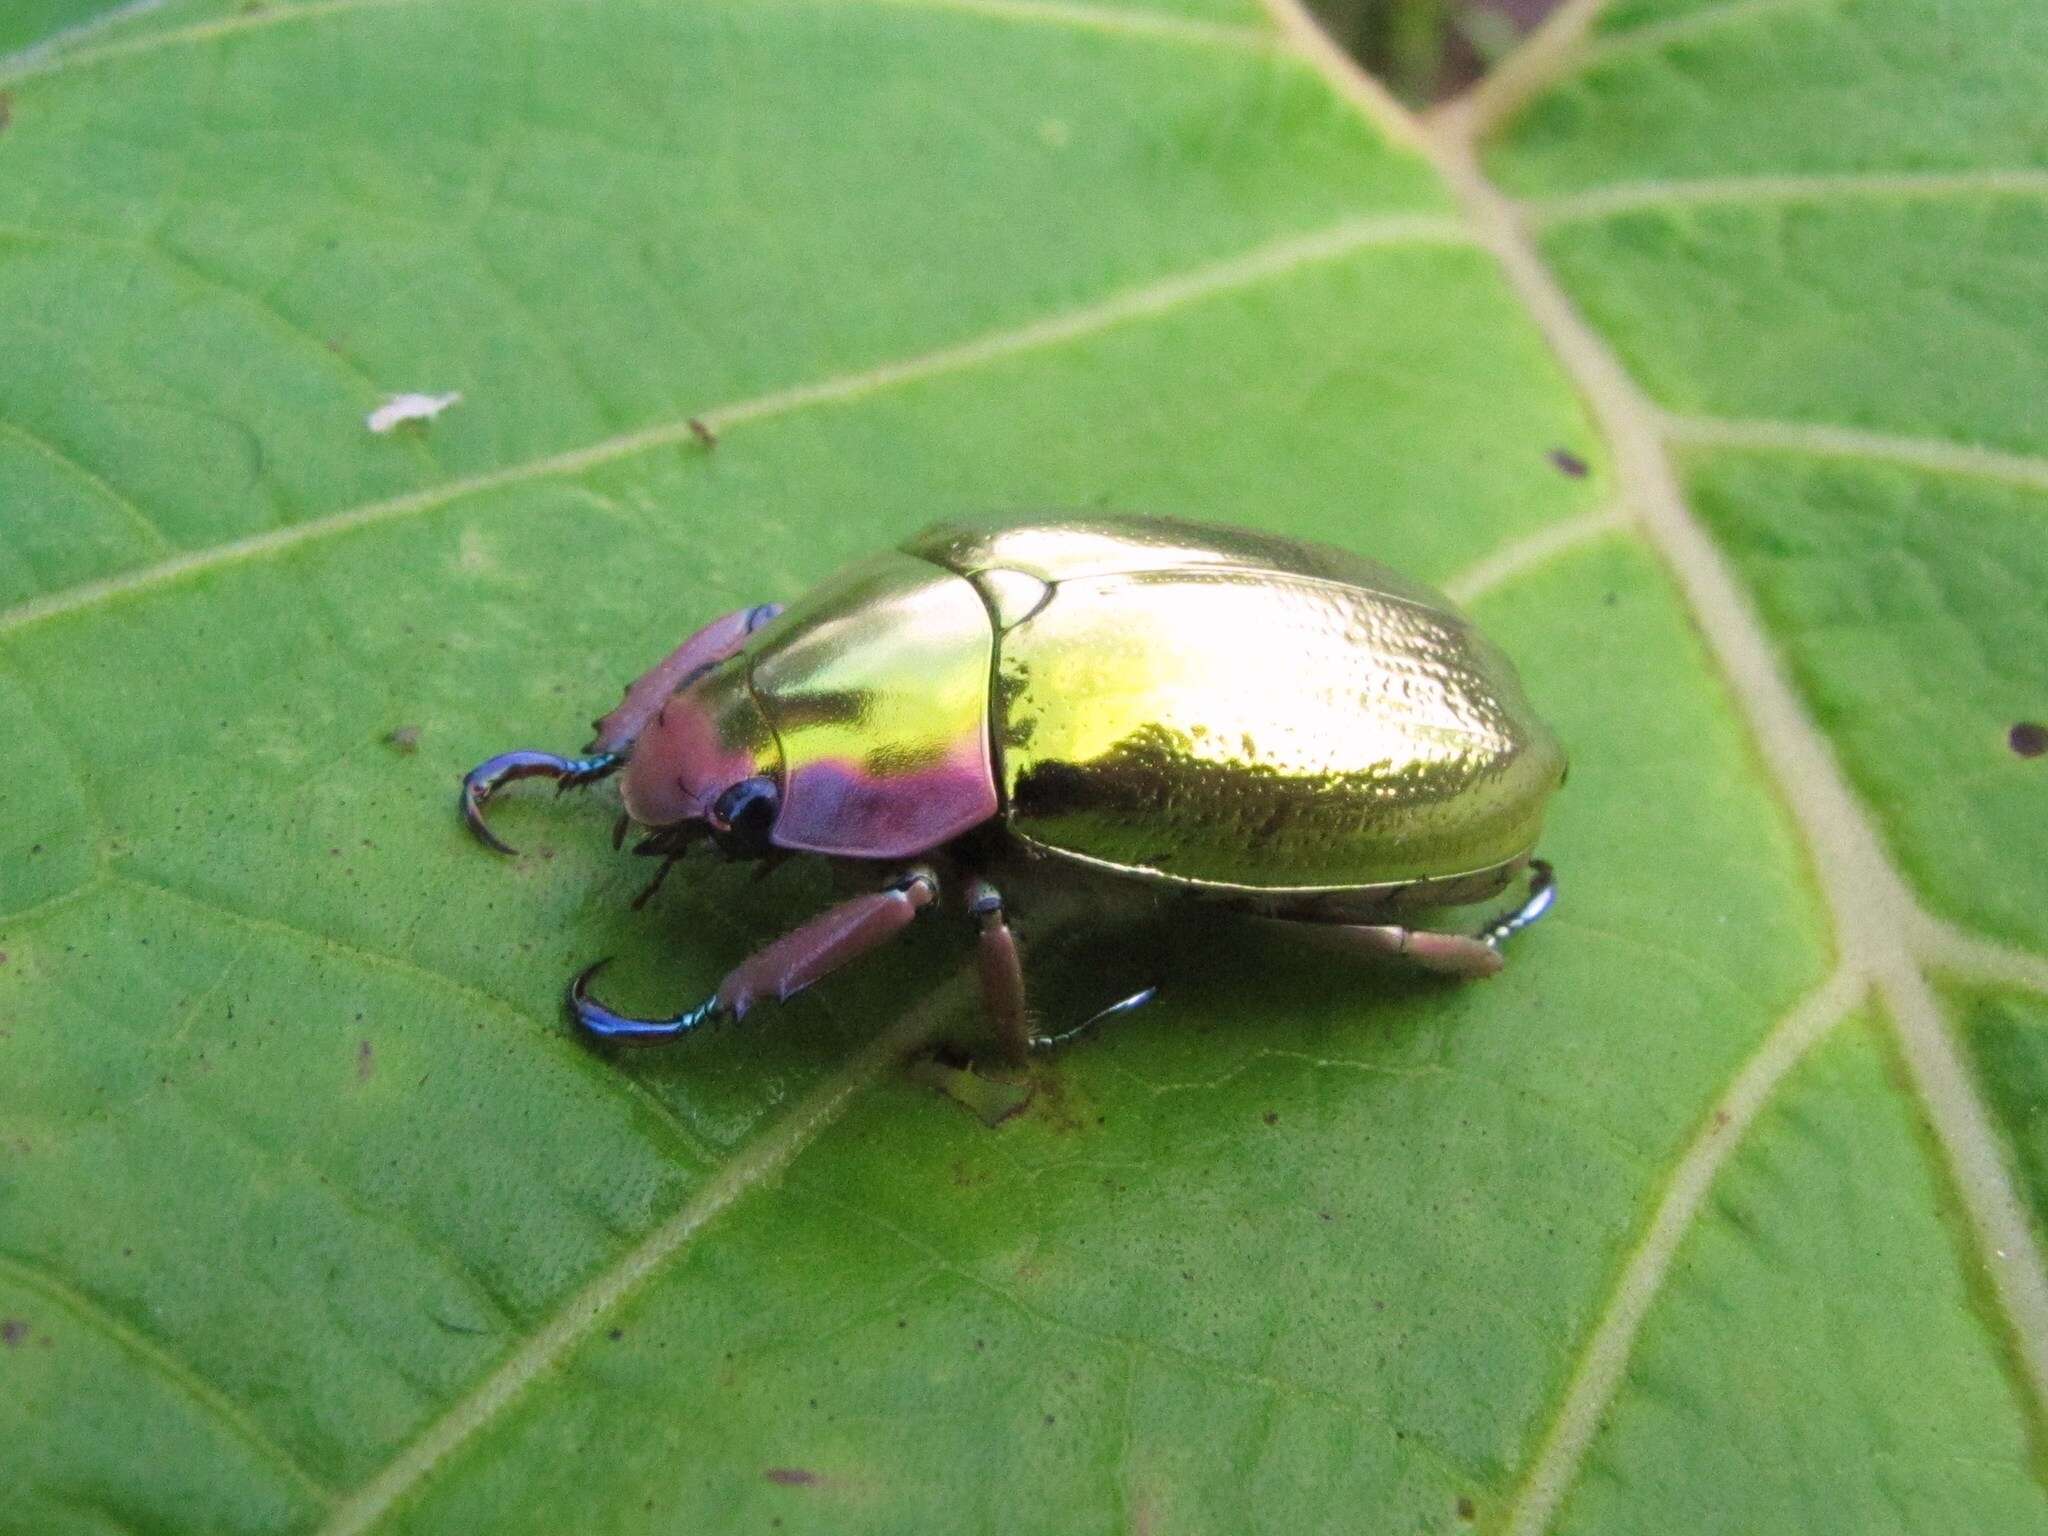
(491, 775)
(1541, 898)
(1469, 957)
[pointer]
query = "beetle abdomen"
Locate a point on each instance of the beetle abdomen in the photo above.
(1263, 717)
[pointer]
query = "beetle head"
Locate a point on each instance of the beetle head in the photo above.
(710, 757)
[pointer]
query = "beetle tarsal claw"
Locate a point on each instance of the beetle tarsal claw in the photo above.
(489, 776)
(601, 1023)
(1541, 898)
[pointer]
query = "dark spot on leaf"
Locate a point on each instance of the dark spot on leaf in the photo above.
(12, 1331)
(615, 1334)
(2029, 738)
(790, 1477)
(6, 109)
(1271, 1117)
(703, 433)
(1720, 1119)
(1569, 462)
(1049, 1421)
(366, 1061)
(1467, 1510)
(403, 738)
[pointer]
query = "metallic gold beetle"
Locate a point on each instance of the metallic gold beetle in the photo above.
(1227, 716)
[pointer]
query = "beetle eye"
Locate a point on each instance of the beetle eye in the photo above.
(744, 815)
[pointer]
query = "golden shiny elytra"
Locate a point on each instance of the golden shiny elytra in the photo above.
(1229, 716)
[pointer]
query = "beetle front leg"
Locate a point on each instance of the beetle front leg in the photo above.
(487, 777)
(835, 937)
(617, 731)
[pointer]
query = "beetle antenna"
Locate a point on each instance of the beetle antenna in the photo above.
(654, 885)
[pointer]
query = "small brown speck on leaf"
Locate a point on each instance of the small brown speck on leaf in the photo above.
(615, 1334)
(404, 738)
(1569, 462)
(1271, 1117)
(1720, 1119)
(13, 1332)
(790, 1477)
(703, 433)
(366, 1061)
(2029, 738)
(1467, 1510)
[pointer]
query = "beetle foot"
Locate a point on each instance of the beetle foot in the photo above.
(1131, 1004)
(487, 777)
(1541, 898)
(600, 1023)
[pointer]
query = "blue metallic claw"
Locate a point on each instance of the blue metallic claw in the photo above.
(1129, 1004)
(600, 1023)
(484, 780)
(1541, 898)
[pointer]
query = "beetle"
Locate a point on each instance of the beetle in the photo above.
(1208, 713)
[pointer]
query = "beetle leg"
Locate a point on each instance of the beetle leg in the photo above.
(835, 937)
(1541, 898)
(1002, 971)
(645, 695)
(1446, 954)
(1002, 982)
(1116, 1009)
(486, 778)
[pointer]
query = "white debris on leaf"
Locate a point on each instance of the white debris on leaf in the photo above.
(399, 409)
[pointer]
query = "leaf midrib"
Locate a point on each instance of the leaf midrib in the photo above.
(1887, 937)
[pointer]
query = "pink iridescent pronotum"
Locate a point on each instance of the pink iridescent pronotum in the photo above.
(1210, 714)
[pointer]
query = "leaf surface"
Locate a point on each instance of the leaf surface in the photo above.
(312, 1216)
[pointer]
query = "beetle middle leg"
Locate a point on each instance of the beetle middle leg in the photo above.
(1002, 982)
(835, 937)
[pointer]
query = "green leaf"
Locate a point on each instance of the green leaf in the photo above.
(1720, 1210)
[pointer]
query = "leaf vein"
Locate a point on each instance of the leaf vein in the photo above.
(685, 1140)
(52, 56)
(167, 1367)
(1266, 263)
(1819, 440)
(1747, 191)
